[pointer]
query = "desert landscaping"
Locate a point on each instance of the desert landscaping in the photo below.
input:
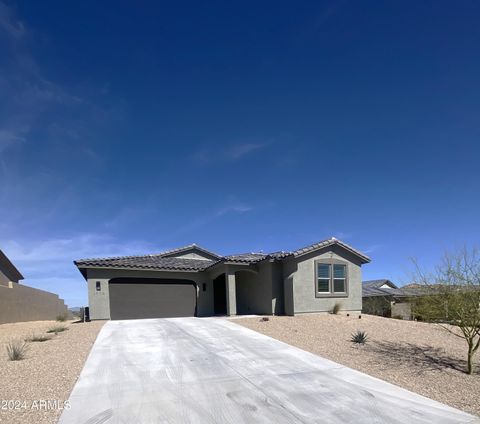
(47, 373)
(420, 357)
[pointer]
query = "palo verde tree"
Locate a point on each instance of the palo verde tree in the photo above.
(452, 297)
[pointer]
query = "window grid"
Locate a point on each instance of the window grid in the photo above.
(331, 278)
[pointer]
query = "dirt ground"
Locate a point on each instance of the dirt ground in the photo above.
(34, 389)
(420, 357)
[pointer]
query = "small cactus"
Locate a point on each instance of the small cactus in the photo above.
(360, 337)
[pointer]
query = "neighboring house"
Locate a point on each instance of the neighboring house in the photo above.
(192, 281)
(9, 274)
(384, 298)
(22, 303)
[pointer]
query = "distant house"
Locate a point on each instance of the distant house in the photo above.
(192, 281)
(22, 303)
(385, 298)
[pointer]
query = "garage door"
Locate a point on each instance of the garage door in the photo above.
(144, 298)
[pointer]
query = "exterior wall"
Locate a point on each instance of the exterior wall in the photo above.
(278, 303)
(289, 307)
(254, 290)
(99, 301)
(21, 303)
(4, 280)
(192, 256)
(262, 292)
(302, 271)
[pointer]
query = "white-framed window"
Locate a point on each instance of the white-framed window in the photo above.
(331, 278)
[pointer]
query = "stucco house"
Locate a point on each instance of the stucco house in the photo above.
(383, 297)
(192, 281)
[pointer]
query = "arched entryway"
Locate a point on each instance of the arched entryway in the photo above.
(139, 298)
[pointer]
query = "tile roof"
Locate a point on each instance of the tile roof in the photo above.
(245, 257)
(379, 283)
(187, 248)
(330, 242)
(147, 262)
(166, 260)
(373, 288)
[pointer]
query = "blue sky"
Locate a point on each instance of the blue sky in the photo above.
(133, 127)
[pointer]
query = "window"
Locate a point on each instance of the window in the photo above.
(97, 286)
(331, 278)
(323, 278)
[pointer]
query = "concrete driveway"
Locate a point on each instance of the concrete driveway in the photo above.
(210, 370)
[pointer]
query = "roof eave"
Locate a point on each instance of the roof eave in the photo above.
(125, 268)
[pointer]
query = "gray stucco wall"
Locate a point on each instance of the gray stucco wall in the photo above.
(302, 272)
(278, 303)
(260, 293)
(254, 291)
(22, 303)
(99, 301)
(289, 308)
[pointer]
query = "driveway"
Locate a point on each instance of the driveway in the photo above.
(210, 370)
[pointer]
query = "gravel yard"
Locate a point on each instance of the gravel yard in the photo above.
(420, 357)
(48, 372)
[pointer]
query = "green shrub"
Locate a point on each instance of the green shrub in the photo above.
(360, 337)
(57, 329)
(397, 317)
(16, 350)
(37, 338)
(62, 317)
(336, 308)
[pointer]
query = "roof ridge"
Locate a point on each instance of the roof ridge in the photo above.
(329, 242)
(189, 246)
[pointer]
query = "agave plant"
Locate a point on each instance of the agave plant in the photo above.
(360, 337)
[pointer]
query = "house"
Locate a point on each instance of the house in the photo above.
(22, 303)
(385, 298)
(192, 281)
(9, 274)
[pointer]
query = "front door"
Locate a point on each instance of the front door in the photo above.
(219, 295)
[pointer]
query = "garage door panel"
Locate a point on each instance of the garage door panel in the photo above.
(152, 300)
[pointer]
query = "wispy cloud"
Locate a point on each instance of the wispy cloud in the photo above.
(9, 138)
(232, 152)
(240, 150)
(371, 248)
(48, 263)
(232, 206)
(13, 27)
(63, 117)
(69, 248)
(238, 208)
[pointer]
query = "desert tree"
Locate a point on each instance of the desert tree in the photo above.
(451, 297)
